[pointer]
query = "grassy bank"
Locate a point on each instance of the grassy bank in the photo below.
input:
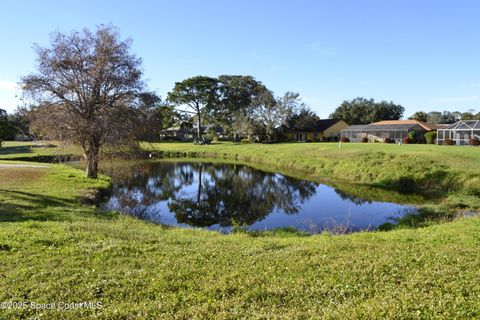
(43, 151)
(451, 174)
(55, 249)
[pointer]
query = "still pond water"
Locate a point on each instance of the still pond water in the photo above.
(220, 196)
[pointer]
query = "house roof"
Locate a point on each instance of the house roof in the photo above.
(319, 125)
(180, 129)
(408, 125)
(464, 125)
(426, 126)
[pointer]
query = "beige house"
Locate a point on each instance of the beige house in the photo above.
(325, 129)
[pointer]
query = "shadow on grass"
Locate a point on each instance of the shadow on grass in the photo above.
(424, 217)
(27, 206)
(15, 150)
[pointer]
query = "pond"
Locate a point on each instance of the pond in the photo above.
(222, 196)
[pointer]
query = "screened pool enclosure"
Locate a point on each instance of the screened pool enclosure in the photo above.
(460, 132)
(379, 132)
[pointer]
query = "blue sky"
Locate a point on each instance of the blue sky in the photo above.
(423, 54)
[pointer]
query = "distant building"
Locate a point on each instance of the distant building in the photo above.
(320, 130)
(395, 130)
(460, 132)
(188, 132)
(22, 137)
(177, 133)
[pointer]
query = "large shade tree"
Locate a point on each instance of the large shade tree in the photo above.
(419, 116)
(197, 96)
(303, 119)
(239, 96)
(274, 112)
(364, 111)
(86, 83)
(19, 119)
(155, 115)
(7, 131)
(437, 117)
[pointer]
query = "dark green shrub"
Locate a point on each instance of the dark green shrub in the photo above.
(448, 142)
(345, 139)
(202, 141)
(430, 137)
(472, 187)
(211, 135)
(364, 140)
(474, 142)
(412, 137)
(330, 139)
(406, 185)
(388, 140)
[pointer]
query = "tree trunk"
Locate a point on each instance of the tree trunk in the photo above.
(269, 132)
(91, 156)
(199, 192)
(199, 127)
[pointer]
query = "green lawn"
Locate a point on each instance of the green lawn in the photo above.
(450, 174)
(35, 149)
(55, 249)
(464, 157)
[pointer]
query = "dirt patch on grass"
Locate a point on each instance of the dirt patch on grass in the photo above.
(19, 176)
(10, 166)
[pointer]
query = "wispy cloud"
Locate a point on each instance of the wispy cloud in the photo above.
(273, 68)
(456, 99)
(470, 85)
(318, 48)
(8, 85)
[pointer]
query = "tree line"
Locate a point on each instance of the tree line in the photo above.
(241, 105)
(446, 117)
(14, 124)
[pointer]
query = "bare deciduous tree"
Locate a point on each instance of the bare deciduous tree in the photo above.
(275, 112)
(85, 86)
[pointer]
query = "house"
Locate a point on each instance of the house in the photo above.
(460, 132)
(178, 133)
(319, 130)
(22, 137)
(395, 130)
(187, 132)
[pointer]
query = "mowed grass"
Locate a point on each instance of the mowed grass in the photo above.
(463, 157)
(34, 149)
(54, 249)
(450, 174)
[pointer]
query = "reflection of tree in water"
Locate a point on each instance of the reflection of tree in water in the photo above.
(352, 198)
(141, 185)
(232, 194)
(223, 194)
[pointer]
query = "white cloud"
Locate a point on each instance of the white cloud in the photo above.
(470, 85)
(273, 68)
(316, 47)
(457, 99)
(8, 85)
